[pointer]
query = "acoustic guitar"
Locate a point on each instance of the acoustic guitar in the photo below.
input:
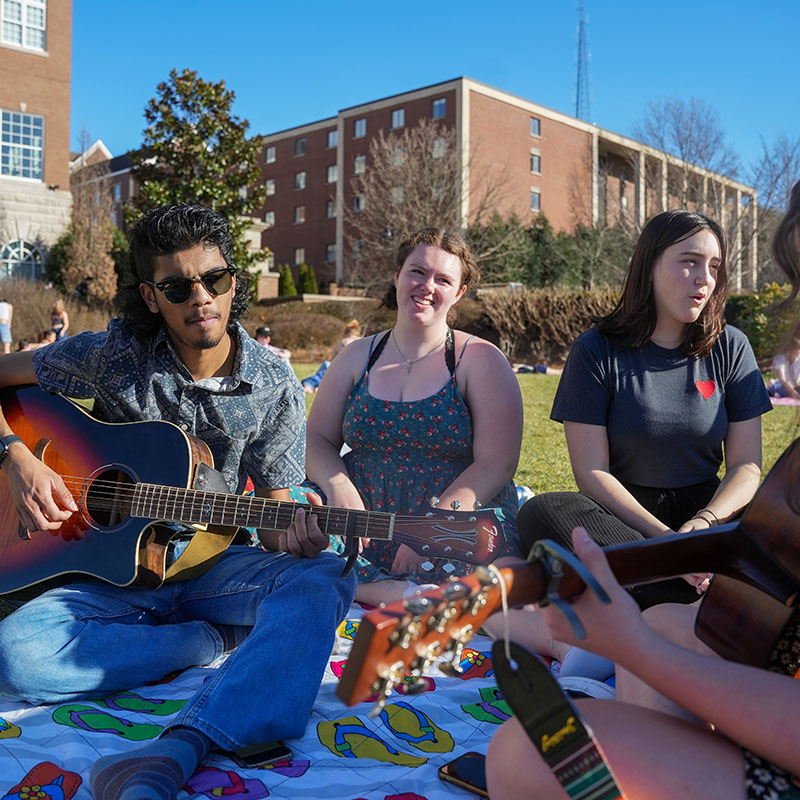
(126, 477)
(756, 566)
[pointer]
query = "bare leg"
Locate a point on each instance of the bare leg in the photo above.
(653, 757)
(528, 629)
(674, 622)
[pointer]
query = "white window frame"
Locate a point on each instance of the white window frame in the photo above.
(398, 118)
(536, 126)
(439, 147)
(300, 146)
(332, 139)
(29, 25)
(269, 186)
(300, 180)
(21, 145)
(333, 170)
(330, 253)
(360, 128)
(299, 256)
(359, 164)
(269, 219)
(19, 256)
(330, 209)
(536, 199)
(536, 164)
(299, 215)
(269, 154)
(439, 108)
(359, 201)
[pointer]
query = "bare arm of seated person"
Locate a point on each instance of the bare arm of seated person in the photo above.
(588, 456)
(41, 498)
(742, 475)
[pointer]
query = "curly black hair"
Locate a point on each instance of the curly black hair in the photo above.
(162, 232)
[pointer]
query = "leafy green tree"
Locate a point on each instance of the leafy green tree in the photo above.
(196, 150)
(307, 280)
(286, 285)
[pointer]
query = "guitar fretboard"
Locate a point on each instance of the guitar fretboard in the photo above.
(170, 503)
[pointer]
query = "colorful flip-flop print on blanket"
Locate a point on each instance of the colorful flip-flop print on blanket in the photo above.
(492, 708)
(86, 718)
(7, 730)
(348, 628)
(215, 783)
(348, 737)
(416, 728)
(130, 701)
(475, 664)
(411, 684)
(45, 781)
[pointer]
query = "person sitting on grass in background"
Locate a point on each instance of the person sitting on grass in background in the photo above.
(352, 331)
(427, 411)
(59, 319)
(694, 724)
(264, 337)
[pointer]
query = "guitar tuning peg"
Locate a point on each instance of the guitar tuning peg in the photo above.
(477, 505)
(451, 668)
(426, 566)
(434, 501)
(455, 505)
(414, 685)
(448, 567)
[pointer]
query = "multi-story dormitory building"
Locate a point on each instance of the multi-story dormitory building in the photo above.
(35, 201)
(563, 167)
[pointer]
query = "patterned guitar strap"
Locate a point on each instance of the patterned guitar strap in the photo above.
(553, 724)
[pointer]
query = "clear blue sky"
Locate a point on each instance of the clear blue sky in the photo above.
(294, 62)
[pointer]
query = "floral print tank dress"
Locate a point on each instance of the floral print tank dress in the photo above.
(403, 454)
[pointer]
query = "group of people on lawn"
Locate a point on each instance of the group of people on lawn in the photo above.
(653, 399)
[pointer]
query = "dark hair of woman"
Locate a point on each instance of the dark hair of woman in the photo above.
(446, 240)
(633, 320)
(164, 231)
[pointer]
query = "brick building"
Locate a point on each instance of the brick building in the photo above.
(568, 169)
(35, 201)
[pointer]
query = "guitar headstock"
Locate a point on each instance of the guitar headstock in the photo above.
(475, 537)
(407, 637)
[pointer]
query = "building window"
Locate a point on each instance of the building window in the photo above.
(330, 209)
(536, 201)
(536, 163)
(117, 193)
(24, 23)
(299, 180)
(21, 259)
(300, 146)
(269, 219)
(299, 255)
(269, 183)
(439, 147)
(439, 108)
(269, 262)
(333, 138)
(398, 156)
(398, 118)
(358, 201)
(535, 127)
(397, 195)
(21, 145)
(332, 173)
(299, 215)
(359, 165)
(330, 252)
(269, 154)
(359, 128)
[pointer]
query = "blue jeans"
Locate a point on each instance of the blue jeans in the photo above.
(90, 639)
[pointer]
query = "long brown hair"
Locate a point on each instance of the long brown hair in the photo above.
(633, 320)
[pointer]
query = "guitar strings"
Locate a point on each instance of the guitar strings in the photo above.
(498, 576)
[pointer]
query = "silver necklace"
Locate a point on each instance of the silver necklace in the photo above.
(411, 361)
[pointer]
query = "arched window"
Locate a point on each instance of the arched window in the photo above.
(21, 259)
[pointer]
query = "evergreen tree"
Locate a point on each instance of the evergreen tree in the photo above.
(286, 285)
(307, 280)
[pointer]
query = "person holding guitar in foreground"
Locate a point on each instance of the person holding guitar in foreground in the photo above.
(427, 412)
(178, 354)
(753, 749)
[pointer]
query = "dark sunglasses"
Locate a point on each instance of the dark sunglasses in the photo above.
(178, 290)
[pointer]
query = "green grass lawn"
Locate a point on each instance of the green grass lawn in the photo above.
(544, 463)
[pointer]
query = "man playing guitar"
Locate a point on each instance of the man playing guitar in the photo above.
(177, 354)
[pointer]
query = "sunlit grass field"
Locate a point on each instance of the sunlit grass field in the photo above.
(544, 463)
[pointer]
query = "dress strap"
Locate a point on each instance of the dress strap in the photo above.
(460, 355)
(378, 349)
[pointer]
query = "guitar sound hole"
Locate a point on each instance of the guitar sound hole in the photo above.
(108, 500)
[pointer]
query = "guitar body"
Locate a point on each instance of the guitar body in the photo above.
(737, 620)
(100, 539)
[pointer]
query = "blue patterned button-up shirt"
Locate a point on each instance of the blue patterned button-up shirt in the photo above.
(254, 421)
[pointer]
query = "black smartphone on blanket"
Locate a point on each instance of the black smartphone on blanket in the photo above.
(467, 771)
(258, 755)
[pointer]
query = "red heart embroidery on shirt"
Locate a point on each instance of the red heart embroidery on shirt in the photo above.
(706, 388)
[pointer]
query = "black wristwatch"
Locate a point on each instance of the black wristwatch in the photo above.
(5, 443)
